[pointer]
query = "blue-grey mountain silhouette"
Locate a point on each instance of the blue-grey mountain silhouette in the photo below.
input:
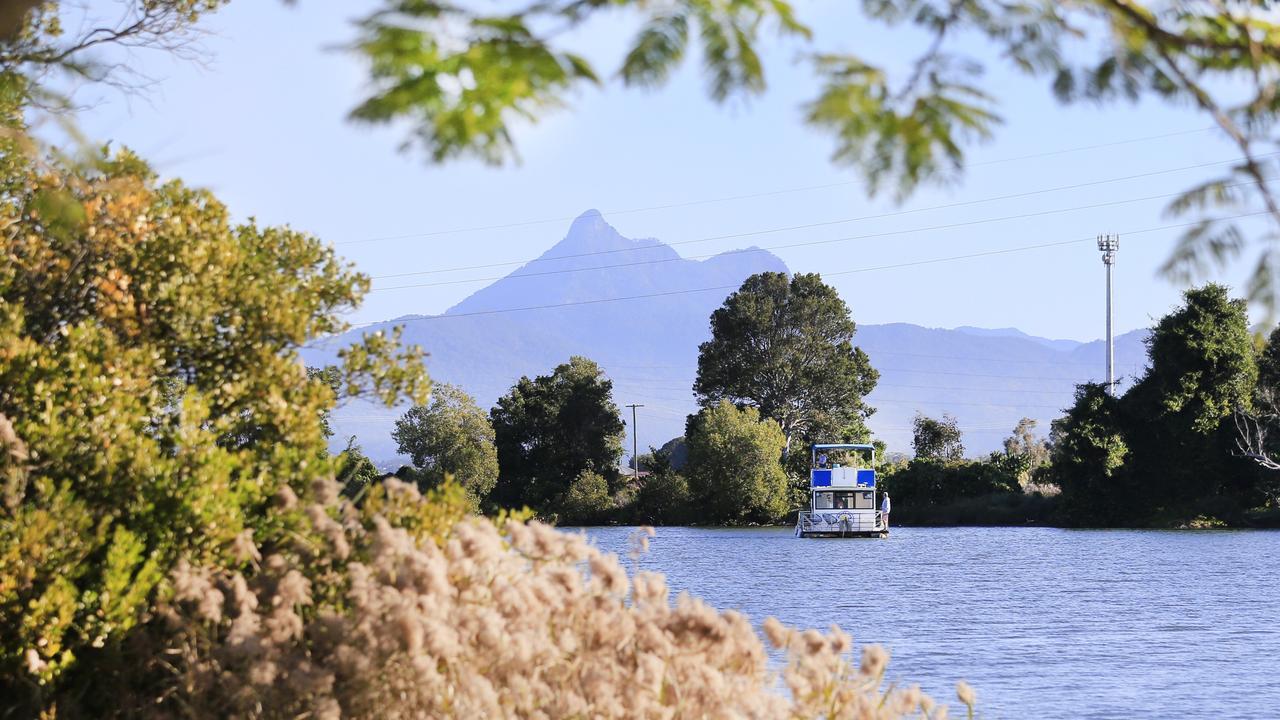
(988, 379)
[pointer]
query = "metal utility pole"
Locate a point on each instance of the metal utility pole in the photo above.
(635, 443)
(1109, 244)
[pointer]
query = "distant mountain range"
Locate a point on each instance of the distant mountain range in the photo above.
(640, 310)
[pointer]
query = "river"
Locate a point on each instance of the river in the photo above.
(1044, 623)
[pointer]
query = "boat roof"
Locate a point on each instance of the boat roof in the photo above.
(843, 446)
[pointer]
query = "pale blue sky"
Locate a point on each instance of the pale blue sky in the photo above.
(262, 123)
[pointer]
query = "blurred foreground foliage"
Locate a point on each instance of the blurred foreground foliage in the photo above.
(464, 78)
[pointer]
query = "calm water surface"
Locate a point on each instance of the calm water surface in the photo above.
(1044, 623)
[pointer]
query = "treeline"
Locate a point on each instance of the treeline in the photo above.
(779, 372)
(1193, 442)
(1187, 444)
(1171, 450)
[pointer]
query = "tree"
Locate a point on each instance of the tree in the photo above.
(785, 347)
(586, 500)
(734, 472)
(936, 439)
(1256, 425)
(451, 436)
(1030, 448)
(1178, 416)
(1087, 455)
(551, 429)
(355, 472)
(152, 405)
(331, 377)
(663, 496)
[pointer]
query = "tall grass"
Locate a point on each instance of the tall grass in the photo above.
(520, 620)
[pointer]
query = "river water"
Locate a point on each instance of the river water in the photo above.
(1044, 623)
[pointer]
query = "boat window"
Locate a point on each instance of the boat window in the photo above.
(864, 501)
(822, 501)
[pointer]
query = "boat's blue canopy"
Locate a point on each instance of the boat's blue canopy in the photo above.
(843, 446)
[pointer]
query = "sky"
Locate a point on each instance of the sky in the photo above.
(260, 119)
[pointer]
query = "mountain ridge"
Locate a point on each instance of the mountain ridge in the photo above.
(640, 310)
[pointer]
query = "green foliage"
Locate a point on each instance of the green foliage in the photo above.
(463, 78)
(1178, 416)
(929, 481)
(1202, 362)
(785, 346)
(939, 440)
(907, 136)
(152, 400)
(551, 429)
(663, 499)
(586, 501)
(734, 474)
(355, 472)
(1164, 453)
(451, 436)
(1032, 449)
(330, 377)
(1088, 449)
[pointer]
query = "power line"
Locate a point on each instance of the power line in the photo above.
(915, 263)
(810, 243)
(879, 351)
(770, 231)
(731, 198)
(688, 291)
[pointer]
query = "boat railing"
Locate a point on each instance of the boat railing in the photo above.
(837, 521)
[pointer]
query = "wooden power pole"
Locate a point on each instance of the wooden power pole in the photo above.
(635, 444)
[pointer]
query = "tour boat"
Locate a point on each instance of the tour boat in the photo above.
(842, 496)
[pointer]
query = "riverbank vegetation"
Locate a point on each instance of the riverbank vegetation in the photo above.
(1194, 441)
(174, 541)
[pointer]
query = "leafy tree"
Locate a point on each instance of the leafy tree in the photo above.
(551, 429)
(1087, 455)
(785, 347)
(1258, 429)
(1032, 449)
(663, 499)
(663, 496)
(1179, 414)
(936, 439)
(355, 471)
(152, 404)
(734, 472)
(931, 482)
(331, 377)
(586, 501)
(451, 436)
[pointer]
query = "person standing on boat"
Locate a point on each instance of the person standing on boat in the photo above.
(884, 510)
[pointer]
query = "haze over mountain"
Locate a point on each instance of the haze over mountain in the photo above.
(640, 310)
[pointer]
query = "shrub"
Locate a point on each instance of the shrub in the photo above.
(488, 621)
(153, 402)
(663, 499)
(734, 471)
(586, 501)
(451, 436)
